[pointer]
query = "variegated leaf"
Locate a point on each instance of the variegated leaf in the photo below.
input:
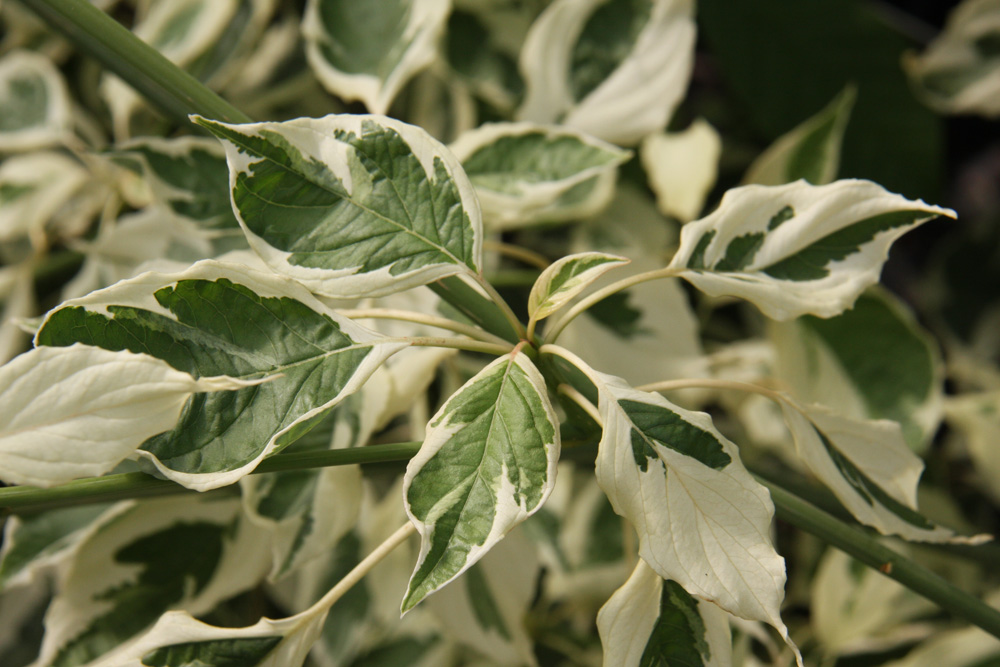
(959, 72)
(871, 362)
(188, 552)
(976, 417)
(649, 621)
(79, 411)
(702, 520)
(35, 103)
(797, 249)
(33, 187)
(369, 51)
(811, 151)
(219, 318)
(615, 69)
(567, 278)
(487, 463)
(682, 168)
(868, 467)
(526, 173)
(352, 206)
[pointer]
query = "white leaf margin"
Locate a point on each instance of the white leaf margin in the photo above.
(543, 301)
(55, 126)
(138, 292)
(820, 210)
(427, 21)
(313, 138)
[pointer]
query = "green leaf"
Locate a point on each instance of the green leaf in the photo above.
(188, 175)
(186, 552)
(475, 54)
(615, 70)
(253, 324)
(868, 466)
(566, 278)
(811, 151)
(702, 520)
(649, 621)
(35, 103)
(524, 173)
(871, 362)
(957, 72)
(797, 249)
(368, 52)
(352, 206)
(487, 463)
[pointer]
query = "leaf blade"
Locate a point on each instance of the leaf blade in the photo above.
(566, 278)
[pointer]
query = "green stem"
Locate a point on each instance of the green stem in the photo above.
(459, 344)
(867, 549)
(140, 485)
(171, 89)
(476, 307)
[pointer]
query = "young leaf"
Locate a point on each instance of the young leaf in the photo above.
(566, 278)
(35, 103)
(615, 70)
(871, 362)
(868, 467)
(958, 71)
(188, 175)
(352, 206)
(368, 52)
(811, 151)
(187, 552)
(798, 248)
(487, 463)
(526, 173)
(78, 411)
(220, 318)
(649, 621)
(682, 168)
(702, 520)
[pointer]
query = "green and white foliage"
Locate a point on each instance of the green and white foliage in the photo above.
(614, 69)
(625, 333)
(78, 411)
(871, 362)
(976, 418)
(220, 318)
(967, 647)
(486, 608)
(650, 621)
(352, 206)
(811, 151)
(35, 103)
(481, 46)
(567, 278)
(487, 463)
(858, 610)
(188, 176)
(702, 520)
(369, 51)
(18, 295)
(176, 553)
(797, 249)
(526, 173)
(959, 72)
(35, 188)
(868, 466)
(682, 168)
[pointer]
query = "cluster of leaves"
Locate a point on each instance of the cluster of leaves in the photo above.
(277, 290)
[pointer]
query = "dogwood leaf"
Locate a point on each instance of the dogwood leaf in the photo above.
(566, 278)
(368, 52)
(352, 206)
(682, 168)
(798, 248)
(868, 467)
(649, 621)
(487, 463)
(187, 552)
(78, 411)
(525, 173)
(35, 103)
(614, 69)
(811, 151)
(219, 318)
(702, 520)
(33, 188)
